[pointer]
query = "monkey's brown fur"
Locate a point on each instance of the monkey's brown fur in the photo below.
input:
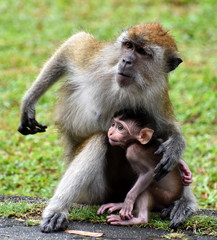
(152, 34)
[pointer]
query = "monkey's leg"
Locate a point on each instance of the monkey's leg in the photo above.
(183, 208)
(143, 204)
(83, 182)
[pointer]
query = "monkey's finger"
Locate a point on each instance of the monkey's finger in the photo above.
(102, 209)
(53, 221)
(123, 223)
(187, 177)
(166, 211)
(35, 130)
(112, 218)
(40, 125)
(179, 214)
(35, 127)
(58, 222)
(160, 150)
(160, 173)
(45, 225)
(117, 221)
(40, 130)
(124, 217)
(132, 221)
(160, 166)
(112, 209)
(186, 182)
(128, 216)
(34, 124)
(125, 214)
(23, 130)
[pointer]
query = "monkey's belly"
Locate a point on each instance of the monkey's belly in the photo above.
(167, 190)
(119, 174)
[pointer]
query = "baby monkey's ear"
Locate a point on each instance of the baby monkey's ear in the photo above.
(145, 135)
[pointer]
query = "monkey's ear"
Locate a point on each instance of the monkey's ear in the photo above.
(173, 62)
(145, 135)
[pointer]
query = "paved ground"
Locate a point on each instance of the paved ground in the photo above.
(11, 229)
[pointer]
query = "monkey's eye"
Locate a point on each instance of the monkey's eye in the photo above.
(113, 124)
(120, 127)
(128, 45)
(142, 51)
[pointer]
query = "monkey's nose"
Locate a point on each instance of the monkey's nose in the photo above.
(129, 59)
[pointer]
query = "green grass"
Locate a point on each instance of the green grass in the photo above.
(31, 30)
(21, 210)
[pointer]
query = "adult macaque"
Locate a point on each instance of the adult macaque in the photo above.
(134, 131)
(103, 78)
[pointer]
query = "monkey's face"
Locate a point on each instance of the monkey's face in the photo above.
(134, 64)
(121, 133)
(148, 53)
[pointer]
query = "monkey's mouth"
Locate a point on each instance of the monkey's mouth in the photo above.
(124, 75)
(124, 79)
(112, 142)
(116, 143)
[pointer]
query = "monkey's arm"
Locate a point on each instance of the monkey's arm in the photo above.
(65, 60)
(143, 181)
(50, 73)
(172, 150)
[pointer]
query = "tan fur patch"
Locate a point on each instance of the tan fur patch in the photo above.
(82, 47)
(152, 33)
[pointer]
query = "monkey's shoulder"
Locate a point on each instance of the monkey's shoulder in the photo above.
(81, 37)
(138, 150)
(81, 48)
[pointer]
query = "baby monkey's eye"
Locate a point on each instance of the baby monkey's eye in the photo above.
(113, 124)
(120, 127)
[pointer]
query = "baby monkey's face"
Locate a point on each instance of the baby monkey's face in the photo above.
(122, 132)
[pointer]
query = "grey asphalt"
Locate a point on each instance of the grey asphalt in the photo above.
(11, 229)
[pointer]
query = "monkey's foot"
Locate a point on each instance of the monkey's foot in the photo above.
(166, 211)
(180, 212)
(116, 220)
(54, 222)
(110, 207)
(126, 212)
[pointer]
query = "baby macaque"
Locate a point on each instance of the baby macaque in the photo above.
(135, 132)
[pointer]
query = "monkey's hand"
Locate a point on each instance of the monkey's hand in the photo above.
(110, 207)
(185, 173)
(54, 222)
(29, 125)
(172, 150)
(126, 211)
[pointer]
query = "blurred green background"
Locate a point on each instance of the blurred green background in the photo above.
(30, 31)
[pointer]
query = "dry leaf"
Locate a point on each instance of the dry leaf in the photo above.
(88, 234)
